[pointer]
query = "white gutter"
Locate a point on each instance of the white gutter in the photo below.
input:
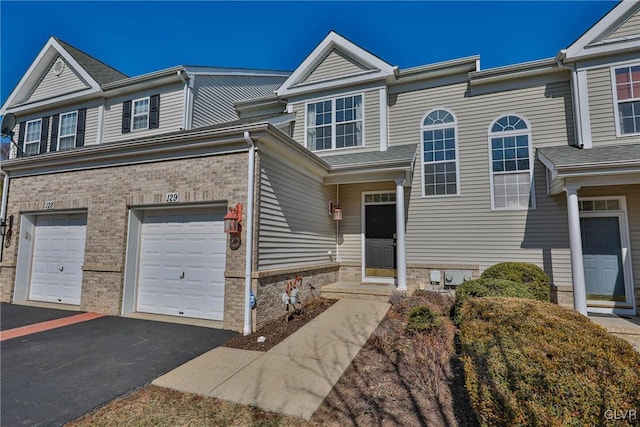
(5, 195)
(249, 238)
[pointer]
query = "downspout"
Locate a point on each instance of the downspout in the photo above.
(575, 96)
(3, 211)
(249, 238)
(338, 225)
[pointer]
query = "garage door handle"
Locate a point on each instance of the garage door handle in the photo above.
(182, 277)
(61, 268)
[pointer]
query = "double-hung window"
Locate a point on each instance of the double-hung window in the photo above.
(32, 137)
(511, 158)
(141, 114)
(439, 154)
(68, 129)
(627, 99)
(335, 123)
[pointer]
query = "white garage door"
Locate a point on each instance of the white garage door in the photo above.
(58, 254)
(181, 263)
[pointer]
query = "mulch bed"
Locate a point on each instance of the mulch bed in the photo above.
(279, 329)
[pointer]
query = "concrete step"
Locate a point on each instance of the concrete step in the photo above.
(625, 327)
(356, 290)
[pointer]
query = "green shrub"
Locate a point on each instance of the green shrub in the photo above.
(422, 319)
(530, 274)
(488, 288)
(535, 363)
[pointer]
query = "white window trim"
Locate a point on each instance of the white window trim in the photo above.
(26, 133)
(616, 103)
(532, 186)
(627, 264)
(133, 114)
(333, 121)
(60, 135)
(422, 162)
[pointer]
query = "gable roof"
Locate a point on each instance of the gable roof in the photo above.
(91, 72)
(365, 66)
(596, 41)
(99, 71)
(568, 160)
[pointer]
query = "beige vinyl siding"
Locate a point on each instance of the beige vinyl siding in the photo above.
(336, 64)
(214, 95)
(51, 85)
(602, 109)
(463, 229)
(350, 249)
(632, 196)
(556, 185)
(91, 127)
(295, 225)
(630, 27)
(371, 101)
(171, 115)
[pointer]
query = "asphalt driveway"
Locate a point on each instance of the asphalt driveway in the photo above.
(53, 377)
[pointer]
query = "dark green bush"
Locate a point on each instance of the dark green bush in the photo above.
(534, 363)
(488, 288)
(422, 319)
(530, 274)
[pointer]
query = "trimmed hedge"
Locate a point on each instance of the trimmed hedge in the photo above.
(534, 363)
(530, 274)
(488, 288)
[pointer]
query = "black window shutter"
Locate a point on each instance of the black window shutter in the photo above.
(126, 117)
(54, 133)
(82, 119)
(154, 112)
(21, 131)
(44, 135)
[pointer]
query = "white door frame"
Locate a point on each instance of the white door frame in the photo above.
(25, 242)
(365, 278)
(623, 218)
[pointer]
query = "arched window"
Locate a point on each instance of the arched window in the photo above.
(511, 163)
(439, 154)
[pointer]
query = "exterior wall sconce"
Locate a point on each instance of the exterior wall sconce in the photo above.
(335, 211)
(233, 226)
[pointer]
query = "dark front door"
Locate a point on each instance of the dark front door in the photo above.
(380, 249)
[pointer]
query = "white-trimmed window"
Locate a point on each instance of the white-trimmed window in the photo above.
(67, 132)
(439, 154)
(511, 161)
(335, 123)
(627, 99)
(32, 137)
(140, 114)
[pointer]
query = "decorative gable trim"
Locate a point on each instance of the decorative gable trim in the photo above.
(595, 42)
(373, 67)
(38, 69)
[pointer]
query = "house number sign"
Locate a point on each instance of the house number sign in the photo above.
(172, 198)
(49, 204)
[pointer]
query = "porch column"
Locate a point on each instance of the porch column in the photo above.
(401, 256)
(575, 244)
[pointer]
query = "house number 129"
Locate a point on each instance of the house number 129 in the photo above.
(172, 198)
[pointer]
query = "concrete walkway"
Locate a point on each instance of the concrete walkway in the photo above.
(294, 377)
(625, 327)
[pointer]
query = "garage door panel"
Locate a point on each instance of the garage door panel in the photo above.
(58, 255)
(181, 263)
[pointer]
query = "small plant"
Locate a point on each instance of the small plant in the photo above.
(488, 288)
(422, 319)
(529, 274)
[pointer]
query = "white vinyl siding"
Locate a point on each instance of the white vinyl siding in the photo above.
(335, 64)
(171, 107)
(214, 95)
(53, 85)
(295, 225)
(602, 109)
(631, 27)
(462, 230)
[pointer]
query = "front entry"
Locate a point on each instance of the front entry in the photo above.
(605, 253)
(379, 238)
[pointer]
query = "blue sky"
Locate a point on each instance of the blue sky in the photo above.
(140, 37)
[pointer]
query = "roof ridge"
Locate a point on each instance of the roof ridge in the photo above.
(98, 70)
